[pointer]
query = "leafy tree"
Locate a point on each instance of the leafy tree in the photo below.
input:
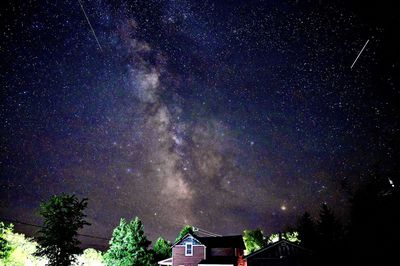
(129, 245)
(253, 240)
(22, 251)
(63, 217)
(185, 230)
(5, 247)
(90, 257)
(290, 236)
(306, 228)
(162, 249)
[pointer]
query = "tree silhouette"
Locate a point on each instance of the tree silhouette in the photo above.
(306, 228)
(330, 236)
(329, 228)
(63, 217)
(129, 245)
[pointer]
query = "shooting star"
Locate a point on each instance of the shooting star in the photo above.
(359, 53)
(90, 25)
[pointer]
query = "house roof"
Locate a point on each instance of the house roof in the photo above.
(219, 261)
(278, 243)
(183, 238)
(235, 241)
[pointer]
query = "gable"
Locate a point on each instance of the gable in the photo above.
(189, 239)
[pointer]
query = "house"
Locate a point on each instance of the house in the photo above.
(282, 253)
(193, 250)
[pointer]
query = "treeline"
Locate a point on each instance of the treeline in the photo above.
(58, 244)
(369, 236)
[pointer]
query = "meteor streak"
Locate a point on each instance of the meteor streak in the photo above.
(359, 53)
(90, 25)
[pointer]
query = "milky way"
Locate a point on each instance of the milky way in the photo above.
(226, 115)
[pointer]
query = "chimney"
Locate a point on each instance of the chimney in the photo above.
(280, 236)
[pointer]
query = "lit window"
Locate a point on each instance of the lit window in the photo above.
(188, 249)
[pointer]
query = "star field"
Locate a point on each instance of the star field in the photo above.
(227, 115)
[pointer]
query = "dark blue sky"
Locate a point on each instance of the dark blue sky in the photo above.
(227, 115)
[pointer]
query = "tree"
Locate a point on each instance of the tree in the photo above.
(187, 229)
(306, 228)
(162, 249)
(5, 247)
(329, 228)
(22, 250)
(330, 236)
(291, 236)
(253, 240)
(63, 217)
(129, 245)
(90, 257)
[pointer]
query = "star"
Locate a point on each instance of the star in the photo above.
(214, 114)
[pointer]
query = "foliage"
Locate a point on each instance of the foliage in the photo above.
(329, 228)
(253, 240)
(324, 236)
(129, 245)
(90, 257)
(63, 217)
(5, 247)
(162, 249)
(187, 229)
(290, 236)
(22, 251)
(306, 228)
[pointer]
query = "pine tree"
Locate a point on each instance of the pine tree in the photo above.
(129, 245)
(306, 228)
(63, 217)
(330, 236)
(162, 249)
(329, 228)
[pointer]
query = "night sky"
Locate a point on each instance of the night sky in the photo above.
(227, 115)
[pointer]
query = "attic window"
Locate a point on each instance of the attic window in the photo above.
(188, 249)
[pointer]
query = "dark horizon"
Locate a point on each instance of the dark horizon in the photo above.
(226, 115)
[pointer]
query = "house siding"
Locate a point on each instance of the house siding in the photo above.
(241, 261)
(180, 258)
(222, 252)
